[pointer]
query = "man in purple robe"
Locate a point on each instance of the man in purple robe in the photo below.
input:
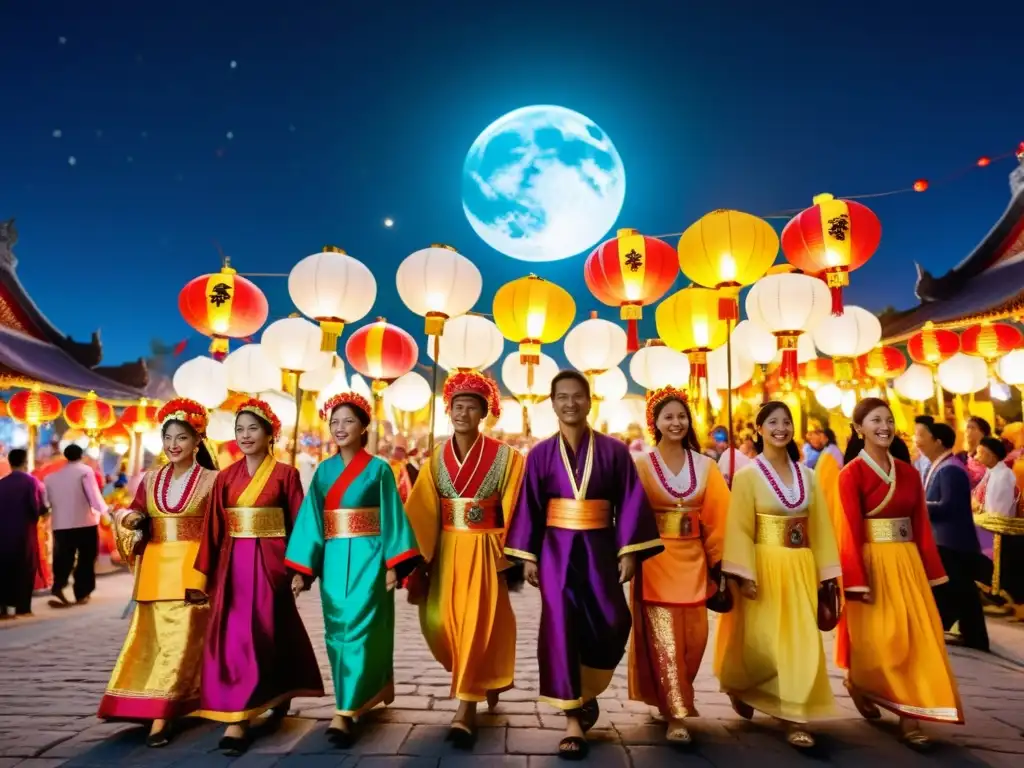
(22, 501)
(580, 526)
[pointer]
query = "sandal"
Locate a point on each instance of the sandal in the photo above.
(588, 715)
(677, 733)
(917, 740)
(461, 735)
(799, 738)
(867, 709)
(573, 748)
(741, 708)
(159, 739)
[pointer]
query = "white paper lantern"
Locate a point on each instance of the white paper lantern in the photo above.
(786, 303)
(250, 370)
(335, 386)
(511, 420)
(321, 377)
(853, 333)
(915, 383)
(543, 422)
(515, 378)
(963, 374)
(438, 283)
(756, 341)
(829, 396)
(470, 342)
(1011, 368)
(409, 393)
(221, 428)
(202, 379)
(611, 385)
(293, 344)
(153, 442)
(656, 366)
(358, 385)
(742, 368)
(595, 345)
(334, 289)
(282, 405)
(622, 414)
(849, 402)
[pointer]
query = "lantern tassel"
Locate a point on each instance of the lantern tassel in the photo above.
(632, 336)
(788, 371)
(728, 308)
(837, 300)
(219, 348)
(835, 281)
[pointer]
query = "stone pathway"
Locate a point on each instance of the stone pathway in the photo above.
(53, 670)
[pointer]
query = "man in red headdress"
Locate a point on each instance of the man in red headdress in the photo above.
(460, 508)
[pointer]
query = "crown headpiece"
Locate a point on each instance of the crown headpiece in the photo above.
(188, 411)
(262, 409)
(346, 398)
(472, 383)
(657, 397)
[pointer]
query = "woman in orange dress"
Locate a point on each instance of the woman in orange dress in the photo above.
(891, 638)
(670, 620)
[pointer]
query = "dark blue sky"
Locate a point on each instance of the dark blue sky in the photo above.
(344, 113)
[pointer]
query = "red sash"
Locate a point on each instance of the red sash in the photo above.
(355, 468)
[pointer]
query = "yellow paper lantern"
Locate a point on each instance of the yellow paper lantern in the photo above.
(688, 320)
(532, 312)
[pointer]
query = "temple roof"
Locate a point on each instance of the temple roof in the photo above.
(987, 285)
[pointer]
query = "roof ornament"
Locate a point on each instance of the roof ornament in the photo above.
(8, 238)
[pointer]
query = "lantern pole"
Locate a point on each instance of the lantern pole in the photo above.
(433, 394)
(298, 418)
(940, 400)
(33, 438)
(728, 396)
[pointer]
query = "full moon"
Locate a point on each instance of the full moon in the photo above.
(543, 183)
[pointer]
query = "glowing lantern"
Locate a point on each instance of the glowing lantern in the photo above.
(203, 380)
(333, 289)
(595, 345)
(846, 337)
(223, 305)
(882, 363)
(727, 250)
(293, 345)
(788, 306)
(689, 322)
(990, 341)
(532, 312)
(915, 383)
(33, 407)
(409, 393)
(610, 386)
(470, 343)
(119, 438)
(528, 383)
(438, 283)
(921, 185)
(140, 418)
(631, 272)
(931, 346)
(338, 384)
(962, 374)
(656, 366)
(984, 161)
(382, 351)
(755, 341)
(1011, 368)
(817, 373)
(718, 369)
(831, 239)
(250, 370)
(90, 414)
(829, 396)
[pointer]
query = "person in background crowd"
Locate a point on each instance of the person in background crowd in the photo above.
(948, 493)
(998, 496)
(412, 466)
(22, 503)
(719, 443)
(732, 461)
(76, 504)
(922, 464)
(974, 431)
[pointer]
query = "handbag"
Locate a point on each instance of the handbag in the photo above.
(828, 605)
(722, 600)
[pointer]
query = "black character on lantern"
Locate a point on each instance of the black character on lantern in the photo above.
(839, 226)
(634, 261)
(221, 294)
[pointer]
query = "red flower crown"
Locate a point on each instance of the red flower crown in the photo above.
(472, 383)
(188, 411)
(346, 398)
(657, 397)
(262, 409)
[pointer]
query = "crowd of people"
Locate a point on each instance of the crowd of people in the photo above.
(628, 549)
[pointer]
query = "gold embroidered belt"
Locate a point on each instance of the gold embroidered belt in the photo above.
(186, 528)
(351, 523)
(788, 531)
(483, 516)
(677, 522)
(256, 523)
(888, 530)
(572, 515)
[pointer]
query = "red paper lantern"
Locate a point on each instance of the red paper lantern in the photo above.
(381, 351)
(921, 185)
(831, 239)
(983, 161)
(89, 414)
(141, 417)
(34, 407)
(631, 272)
(116, 433)
(931, 346)
(814, 373)
(990, 340)
(223, 305)
(882, 363)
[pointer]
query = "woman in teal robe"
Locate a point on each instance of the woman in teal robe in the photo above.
(352, 533)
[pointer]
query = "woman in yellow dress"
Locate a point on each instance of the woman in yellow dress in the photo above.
(781, 550)
(670, 590)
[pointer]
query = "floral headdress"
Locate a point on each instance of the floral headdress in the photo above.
(188, 411)
(472, 383)
(346, 398)
(262, 409)
(657, 397)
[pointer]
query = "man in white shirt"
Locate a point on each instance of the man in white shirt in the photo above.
(997, 492)
(997, 496)
(75, 507)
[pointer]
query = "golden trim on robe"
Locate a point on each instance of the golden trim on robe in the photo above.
(467, 515)
(351, 523)
(788, 531)
(678, 522)
(163, 529)
(888, 530)
(583, 515)
(256, 522)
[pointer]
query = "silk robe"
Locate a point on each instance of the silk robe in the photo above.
(467, 617)
(359, 611)
(257, 652)
(894, 646)
(585, 621)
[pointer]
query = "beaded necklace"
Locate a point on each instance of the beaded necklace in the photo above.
(660, 472)
(769, 473)
(164, 484)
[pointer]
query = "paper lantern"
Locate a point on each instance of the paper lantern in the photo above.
(1011, 368)
(511, 421)
(339, 383)
(202, 379)
(829, 396)
(882, 363)
(223, 305)
(90, 414)
(382, 351)
(282, 405)
(408, 393)
(656, 366)
(727, 250)
(817, 372)
(610, 386)
(689, 322)
(916, 383)
(528, 382)
(438, 283)
(117, 436)
(962, 374)
(788, 306)
(846, 337)
(293, 345)
(755, 341)
(832, 238)
(932, 346)
(630, 272)
(595, 345)
(469, 343)
(221, 428)
(990, 341)
(140, 418)
(718, 368)
(333, 289)
(250, 370)
(34, 407)
(531, 312)
(358, 385)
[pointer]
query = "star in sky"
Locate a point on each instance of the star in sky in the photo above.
(72, 160)
(389, 222)
(57, 133)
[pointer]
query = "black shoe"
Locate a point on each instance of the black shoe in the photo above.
(573, 748)
(234, 746)
(83, 600)
(159, 739)
(340, 738)
(60, 600)
(461, 736)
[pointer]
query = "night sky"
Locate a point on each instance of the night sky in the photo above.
(275, 128)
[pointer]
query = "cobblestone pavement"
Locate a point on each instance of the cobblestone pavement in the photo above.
(53, 670)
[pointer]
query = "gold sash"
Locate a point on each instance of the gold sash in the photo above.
(351, 523)
(583, 515)
(678, 522)
(888, 530)
(256, 523)
(472, 515)
(165, 528)
(257, 483)
(788, 531)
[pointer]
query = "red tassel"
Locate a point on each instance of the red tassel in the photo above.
(728, 308)
(788, 371)
(837, 300)
(632, 336)
(180, 347)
